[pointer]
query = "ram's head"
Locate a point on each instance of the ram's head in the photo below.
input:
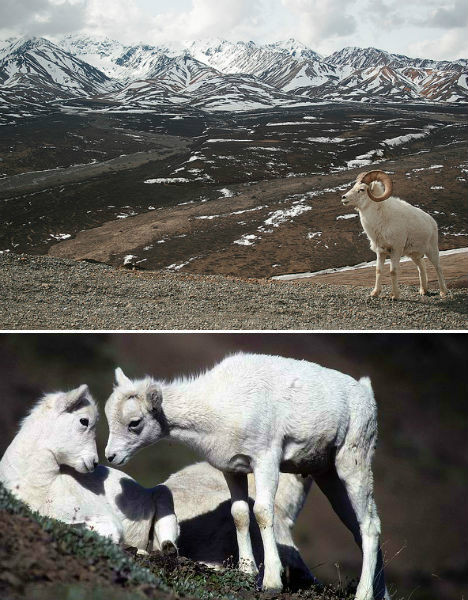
(375, 185)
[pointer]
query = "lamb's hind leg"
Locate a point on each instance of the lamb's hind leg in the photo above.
(238, 487)
(419, 262)
(166, 527)
(335, 490)
(433, 256)
(353, 467)
(266, 473)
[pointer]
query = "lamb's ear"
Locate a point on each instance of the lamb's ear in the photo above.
(121, 378)
(69, 401)
(154, 396)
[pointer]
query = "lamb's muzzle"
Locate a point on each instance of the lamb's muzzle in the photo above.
(376, 175)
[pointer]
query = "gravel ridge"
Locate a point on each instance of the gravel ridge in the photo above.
(41, 292)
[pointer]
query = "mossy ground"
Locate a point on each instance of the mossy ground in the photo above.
(41, 558)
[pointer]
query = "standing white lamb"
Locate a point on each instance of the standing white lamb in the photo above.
(265, 414)
(51, 465)
(394, 228)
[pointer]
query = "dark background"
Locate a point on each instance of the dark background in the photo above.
(421, 482)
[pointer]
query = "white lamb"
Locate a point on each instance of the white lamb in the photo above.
(394, 228)
(51, 465)
(265, 414)
(207, 533)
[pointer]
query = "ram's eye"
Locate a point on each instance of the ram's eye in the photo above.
(134, 424)
(84, 422)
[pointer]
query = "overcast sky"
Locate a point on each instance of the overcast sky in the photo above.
(419, 28)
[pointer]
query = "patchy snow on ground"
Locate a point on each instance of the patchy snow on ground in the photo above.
(178, 266)
(365, 159)
(409, 137)
(348, 216)
(220, 140)
(279, 217)
(437, 187)
(226, 193)
(247, 240)
(314, 234)
(363, 265)
(326, 140)
(60, 236)
(168, 180)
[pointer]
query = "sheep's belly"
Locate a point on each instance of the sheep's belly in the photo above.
(306, 458)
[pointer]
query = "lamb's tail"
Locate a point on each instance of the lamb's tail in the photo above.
(366, 383)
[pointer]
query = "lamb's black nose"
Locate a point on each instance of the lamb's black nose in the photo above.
(343, 197)
(111, 457)
(95, 463)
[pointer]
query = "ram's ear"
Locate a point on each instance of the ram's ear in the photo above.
(121, 378)
(70, 401)
(154, 396)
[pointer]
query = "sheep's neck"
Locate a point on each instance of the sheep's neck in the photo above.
(27, 468)
(371, 215)
(189, 418)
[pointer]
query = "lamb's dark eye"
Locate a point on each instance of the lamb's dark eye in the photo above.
(134, 424)
(84, 422)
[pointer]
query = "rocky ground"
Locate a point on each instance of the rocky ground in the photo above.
(49, 293)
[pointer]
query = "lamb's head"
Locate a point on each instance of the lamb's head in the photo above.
(67, 429)
(134, 415)
(374, 185)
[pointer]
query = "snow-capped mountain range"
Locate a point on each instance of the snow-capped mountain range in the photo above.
(216, 75)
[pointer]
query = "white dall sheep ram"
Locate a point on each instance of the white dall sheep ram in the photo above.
(51, 465)
(395, 229)
(207, 533)
(265, 414)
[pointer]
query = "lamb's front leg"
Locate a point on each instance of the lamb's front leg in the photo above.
(238, 487)
(107, 528)
(266, 473)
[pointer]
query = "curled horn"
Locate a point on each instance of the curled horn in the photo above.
(371, 176)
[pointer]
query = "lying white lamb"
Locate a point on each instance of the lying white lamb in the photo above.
(51, 465)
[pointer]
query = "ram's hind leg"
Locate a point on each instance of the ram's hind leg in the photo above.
(421, 265)
(335, 490)
(433, 256)
(238, 487)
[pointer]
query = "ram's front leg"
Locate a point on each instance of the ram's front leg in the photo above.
(378, 274)
(266, 473)
(238, 487)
